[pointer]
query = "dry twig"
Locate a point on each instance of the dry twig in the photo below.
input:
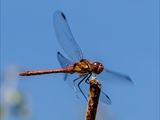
(93, 98)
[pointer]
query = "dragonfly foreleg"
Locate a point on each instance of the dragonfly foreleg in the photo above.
(86, 77)
(87, 80)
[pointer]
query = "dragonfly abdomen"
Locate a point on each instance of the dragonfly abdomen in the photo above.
(41, 72)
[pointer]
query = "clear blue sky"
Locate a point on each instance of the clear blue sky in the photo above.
(122, 34)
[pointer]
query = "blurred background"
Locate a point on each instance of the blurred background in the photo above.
(123, 35)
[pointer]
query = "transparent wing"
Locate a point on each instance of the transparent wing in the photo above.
(65, 37)
(64, 62)
(104, 98)
(114, 77)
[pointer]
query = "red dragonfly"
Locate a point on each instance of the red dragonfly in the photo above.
(83, 67)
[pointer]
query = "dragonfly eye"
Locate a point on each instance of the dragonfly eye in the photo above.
(98, 67)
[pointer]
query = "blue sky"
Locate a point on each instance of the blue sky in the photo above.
(123, 35)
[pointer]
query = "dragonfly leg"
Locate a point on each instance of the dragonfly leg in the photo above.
(87, 80)
(86, 77)
(74, 86)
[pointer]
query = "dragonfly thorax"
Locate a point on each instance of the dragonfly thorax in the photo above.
(85, 66)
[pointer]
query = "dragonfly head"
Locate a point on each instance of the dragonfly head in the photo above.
(97, 67)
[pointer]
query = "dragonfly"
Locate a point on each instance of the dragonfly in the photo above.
(83, 68)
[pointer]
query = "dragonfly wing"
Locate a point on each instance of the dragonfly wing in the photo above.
(104, 98)
(114, 77)
(64, 62)
(65, 37)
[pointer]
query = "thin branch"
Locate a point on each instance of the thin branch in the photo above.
(93, 98)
